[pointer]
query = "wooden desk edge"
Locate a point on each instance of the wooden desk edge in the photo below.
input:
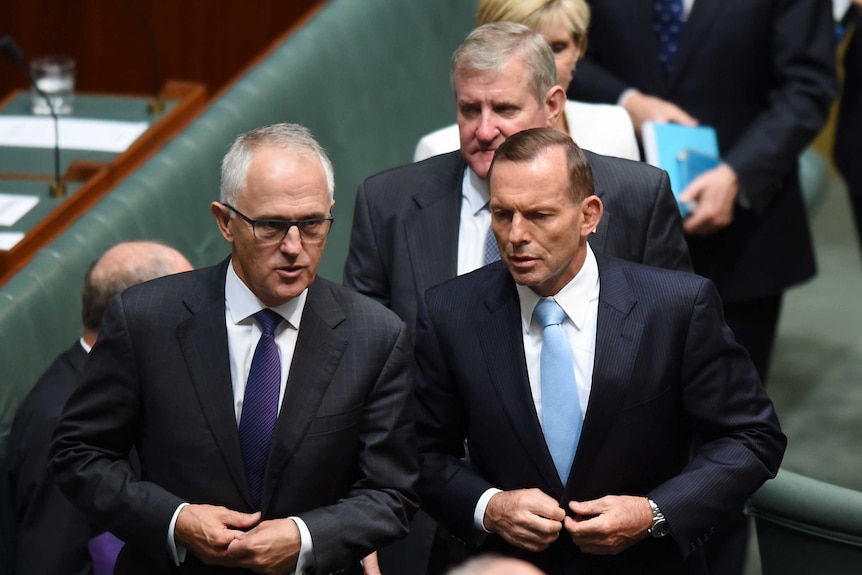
(192, 98)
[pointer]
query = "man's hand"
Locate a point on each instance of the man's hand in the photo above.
(207, 530)
(271, 548)
(370, 566)
(609, 525)
(713, 194)
(643, 108)
(526, 518)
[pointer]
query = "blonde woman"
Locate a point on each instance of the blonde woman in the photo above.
(601, 128)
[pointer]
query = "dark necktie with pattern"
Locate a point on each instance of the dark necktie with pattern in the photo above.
(667, 24)
(260, 404)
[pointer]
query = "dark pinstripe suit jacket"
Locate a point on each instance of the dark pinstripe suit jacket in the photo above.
(405, 226)
(344, 453)
(666, 367)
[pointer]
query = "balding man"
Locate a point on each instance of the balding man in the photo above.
(38, 512)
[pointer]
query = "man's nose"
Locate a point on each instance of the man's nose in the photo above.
(292, 242)
(488, 129)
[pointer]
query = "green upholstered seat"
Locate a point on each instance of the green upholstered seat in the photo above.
(807, 527)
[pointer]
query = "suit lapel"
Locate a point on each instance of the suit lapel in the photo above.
(500, 337)
(203, 341)
(703, 14)
(618, 337)
(432, 234)
(318, 353)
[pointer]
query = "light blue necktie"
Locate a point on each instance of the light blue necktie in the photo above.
(561, 410)
(260, 404)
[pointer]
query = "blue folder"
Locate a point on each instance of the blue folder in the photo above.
(684, 152)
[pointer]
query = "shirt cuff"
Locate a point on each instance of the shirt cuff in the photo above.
(481, 505)
(305, 560)
(176, 552)
(626, 94)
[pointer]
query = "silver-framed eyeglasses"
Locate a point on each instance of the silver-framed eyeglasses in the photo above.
(274, 231)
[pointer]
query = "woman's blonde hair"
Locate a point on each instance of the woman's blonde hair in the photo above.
(538, 13)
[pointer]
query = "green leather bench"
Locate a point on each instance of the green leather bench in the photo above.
(806, 526)
(367, 77)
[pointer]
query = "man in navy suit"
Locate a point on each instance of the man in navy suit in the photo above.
(652, 366)
(269, 407)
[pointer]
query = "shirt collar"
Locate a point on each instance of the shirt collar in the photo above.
(242, 303)
(475, 190)
(574, 298)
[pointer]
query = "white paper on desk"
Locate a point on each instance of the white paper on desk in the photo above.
(14, 206)
(9, 239)
(75, 133)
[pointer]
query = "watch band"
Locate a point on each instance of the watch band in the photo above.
(660, 527)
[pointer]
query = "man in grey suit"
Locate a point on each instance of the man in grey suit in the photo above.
(418, 225)
(267, 405)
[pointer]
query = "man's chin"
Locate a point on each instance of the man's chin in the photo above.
(480, 163)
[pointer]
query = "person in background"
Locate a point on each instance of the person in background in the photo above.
(269, 407)
(762, 73)
(47, 534)
(601, 128)
(580, 383)
(848, 137)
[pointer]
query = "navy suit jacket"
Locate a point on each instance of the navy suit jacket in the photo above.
(46, 533)
(343, 456)
(666, 369)
(405, 225)
(762, 72)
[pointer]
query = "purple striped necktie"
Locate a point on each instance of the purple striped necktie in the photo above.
(260, 404)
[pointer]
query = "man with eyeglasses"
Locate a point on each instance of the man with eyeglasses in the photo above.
(268, 406)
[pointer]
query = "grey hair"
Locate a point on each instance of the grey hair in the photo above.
(290, 137)
(490, 47)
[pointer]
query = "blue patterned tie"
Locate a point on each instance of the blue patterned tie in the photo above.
(492, 251)
(561, 410)
(260, 404)
(667, 25)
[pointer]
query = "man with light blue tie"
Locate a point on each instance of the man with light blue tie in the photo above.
(580, 382)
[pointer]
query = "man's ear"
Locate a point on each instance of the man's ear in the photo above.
(222, 217)
(592, 210)
(555, 104)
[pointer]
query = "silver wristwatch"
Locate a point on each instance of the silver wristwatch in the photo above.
(660, 527)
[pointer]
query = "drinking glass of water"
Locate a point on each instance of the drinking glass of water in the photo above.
(55, 77)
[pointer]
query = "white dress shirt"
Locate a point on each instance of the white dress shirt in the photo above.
(474, 224)
(580, 300)
(243, 334)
